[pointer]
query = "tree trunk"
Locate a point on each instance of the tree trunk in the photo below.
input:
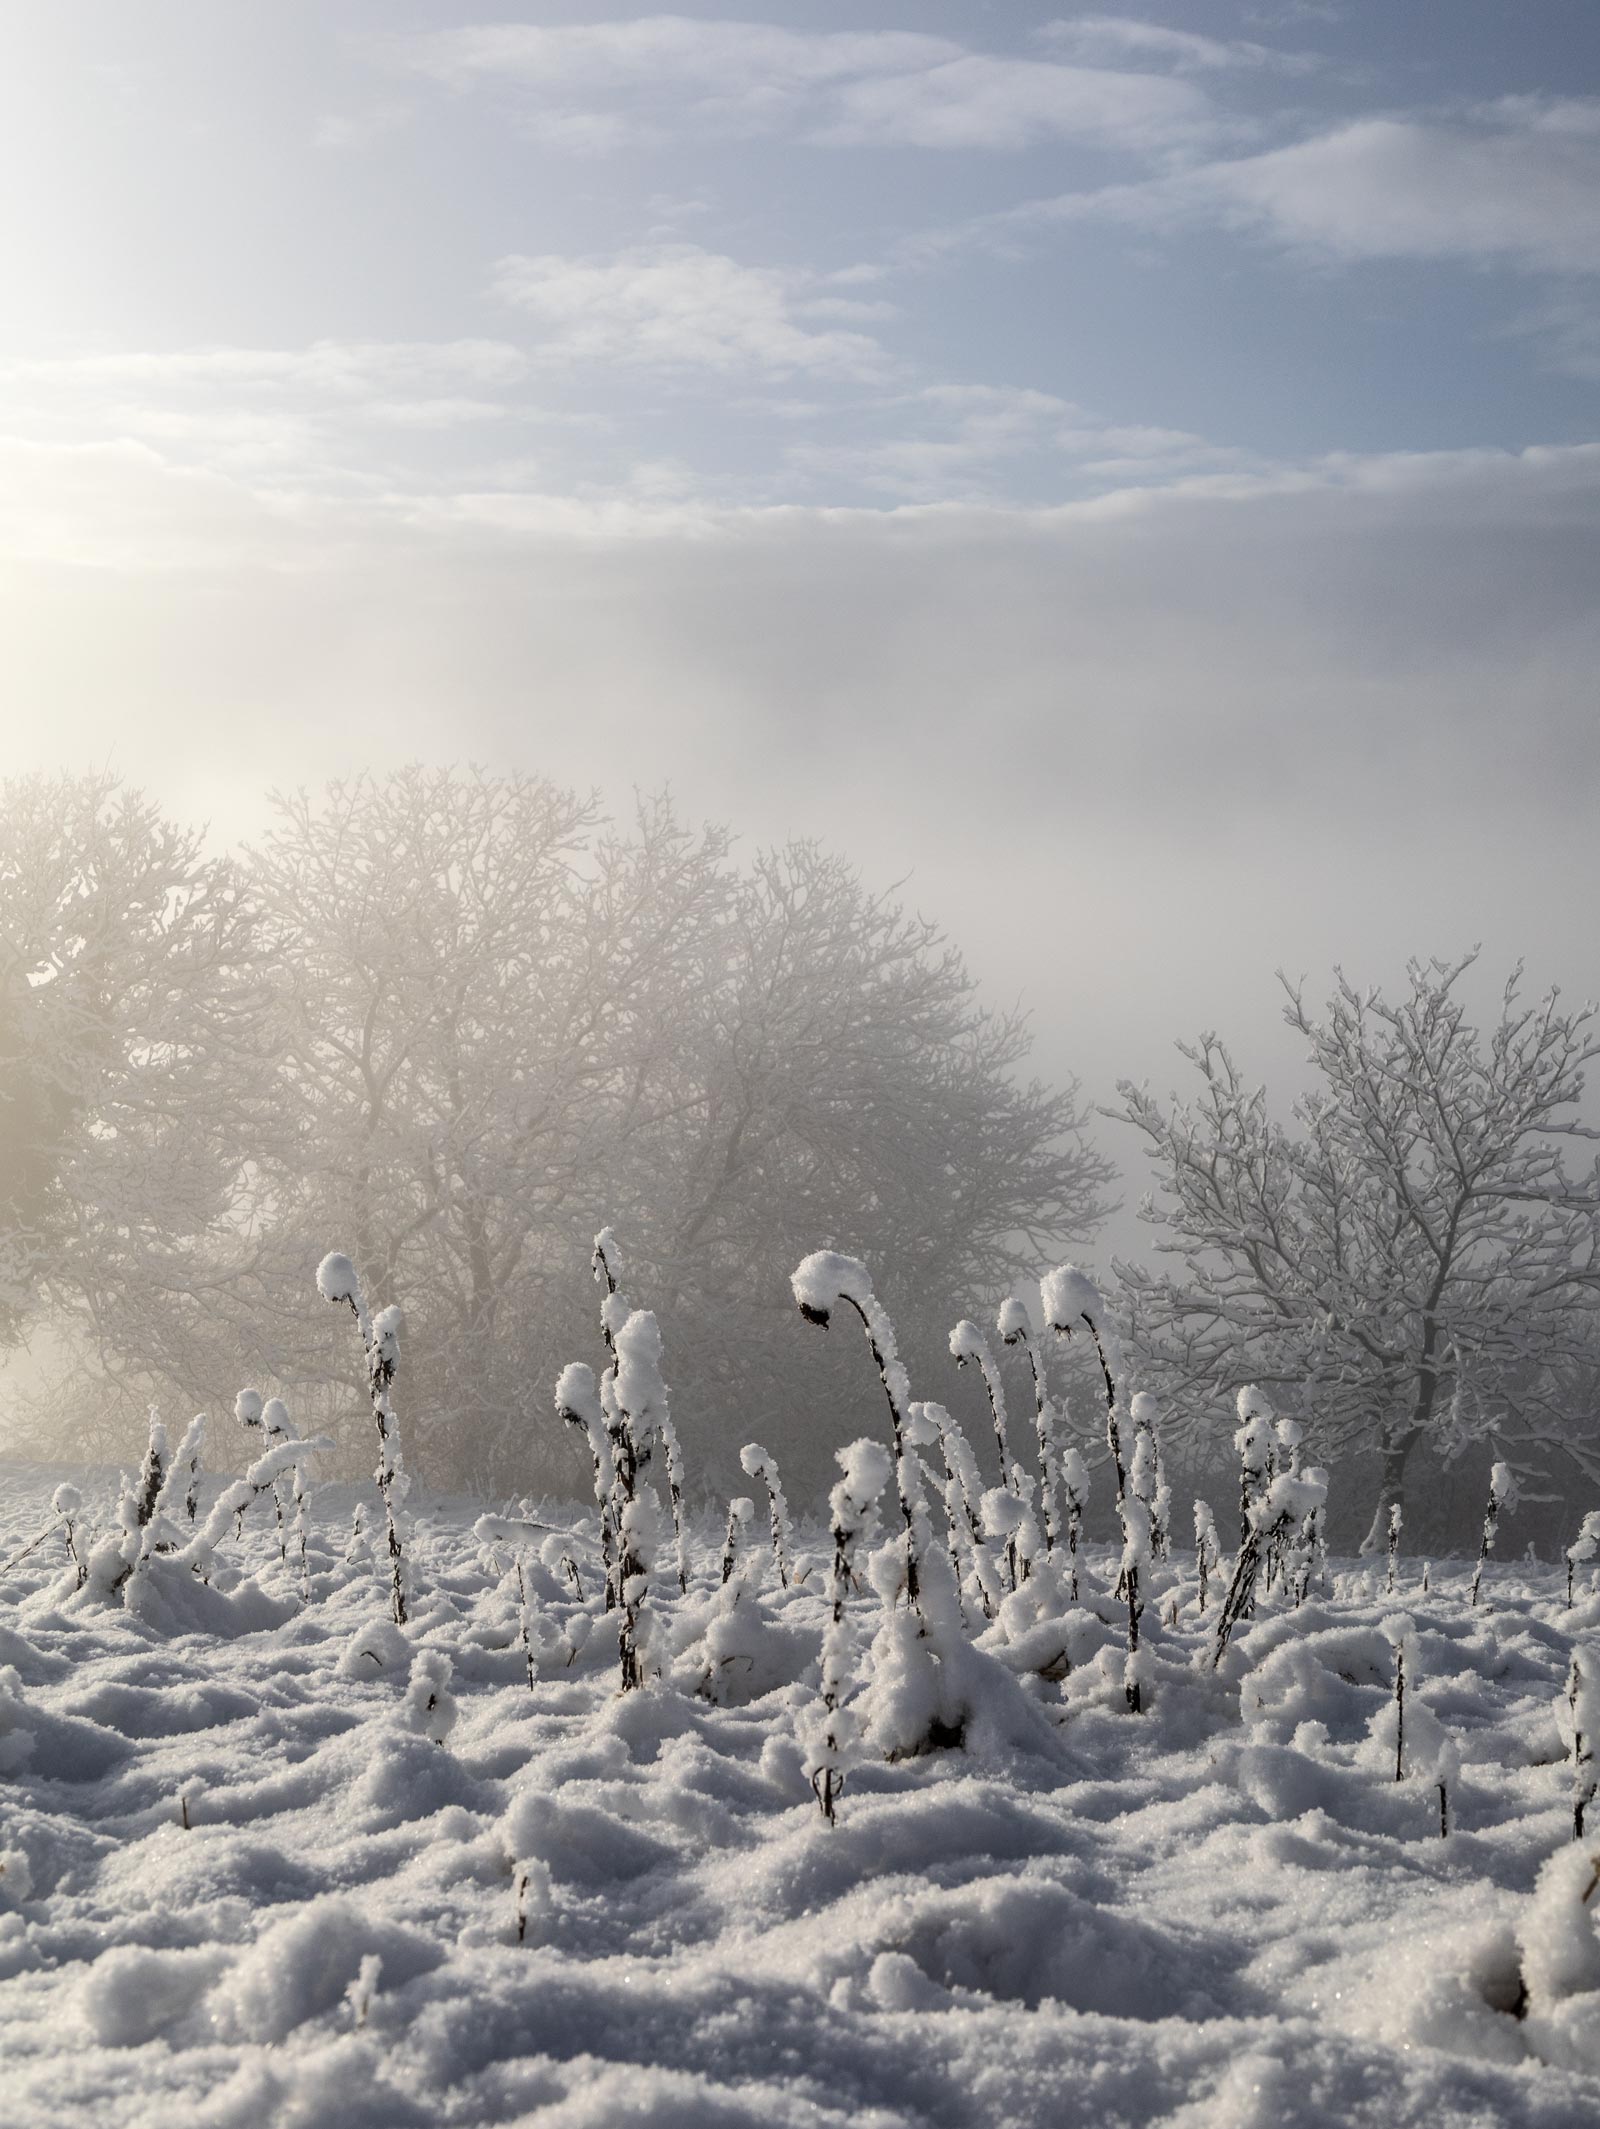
(1391, 1487)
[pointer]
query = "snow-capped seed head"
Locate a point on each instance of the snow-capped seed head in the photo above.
(1011, 1323)
(1144, 1411)
(1070, 1297)
(275, 1416)
(248, 1407)
(1587, 1543)
(826, 1277)
(1250, 1404)
(640, 1390)
(66, 1500)
(577, 1399)
(866, 1465)
(1501, 1485)
(1001, 1511)
(387, 1325)
(922, 1424)
(606, 1256)
(754, 1460)
(1290, 1432)
(1205, 1523)
(336, 1278)
(966, 1343)
(741, 1509)
(614, 1313)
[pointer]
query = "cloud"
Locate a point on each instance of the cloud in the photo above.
(1516, 183)
(679, 307)
(970, 441)
(979, 102)
(1096, 39)
(336, 368)
(601, 86)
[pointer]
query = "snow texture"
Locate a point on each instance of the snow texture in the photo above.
(244, 1879)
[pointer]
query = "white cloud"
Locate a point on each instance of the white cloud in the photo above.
(678, 306)
(601, 85)
(333, 367)
(1519, 184)
(1095, 39)
(979, 102)
(1515, 183)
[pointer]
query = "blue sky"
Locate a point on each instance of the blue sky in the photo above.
(940, 254)
(1134, 475)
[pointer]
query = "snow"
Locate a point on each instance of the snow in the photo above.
(244, 1880)
(336, 1279)
(1070, 1297)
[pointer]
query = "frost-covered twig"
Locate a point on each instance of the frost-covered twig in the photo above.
(638, 1401)
(1500, 1489)
(1256, 1440)
(1071, 1297)
(674, 1460)
(1421, 1745)
(829, 1737)
(1157, 1494)
(578, 1403)
(380, 1342)
(1396, 1520)
(1075, 1498)
(1014, 1329)
(741, 1514)
(1286, 1501)
(190, 1450)
(962, 1491)
(1207, 1551)
(969, 1348)
(820, 1282)
(1582, 1728)
(760, 1463)
(1584, 1546)
(153, 1471)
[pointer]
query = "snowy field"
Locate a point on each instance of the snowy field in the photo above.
(589, 1908)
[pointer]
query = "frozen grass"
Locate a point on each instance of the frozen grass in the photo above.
(586, 1908)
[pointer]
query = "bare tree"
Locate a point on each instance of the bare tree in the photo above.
(1412, 1258)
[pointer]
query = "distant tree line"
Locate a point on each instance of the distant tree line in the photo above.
(455, 1024)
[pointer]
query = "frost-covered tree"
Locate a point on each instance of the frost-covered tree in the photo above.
(1410, 1257)
(134, 1068)
(502, 1021)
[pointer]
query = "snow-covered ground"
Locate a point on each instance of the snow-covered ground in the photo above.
(1223, 1911)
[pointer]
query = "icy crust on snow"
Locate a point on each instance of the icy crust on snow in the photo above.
(412, 1890)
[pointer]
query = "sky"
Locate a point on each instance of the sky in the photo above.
(1133, 478)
